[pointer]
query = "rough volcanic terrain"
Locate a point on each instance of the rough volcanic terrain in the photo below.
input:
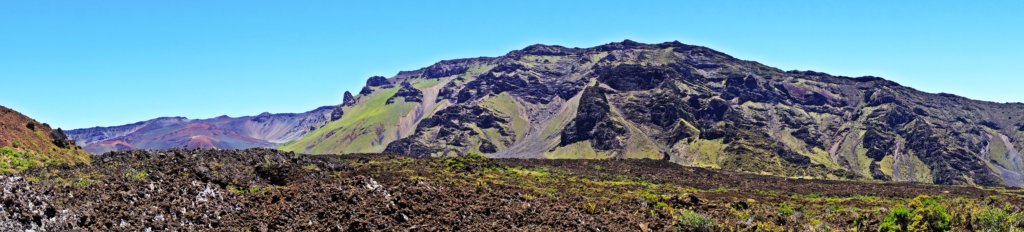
(262, 189)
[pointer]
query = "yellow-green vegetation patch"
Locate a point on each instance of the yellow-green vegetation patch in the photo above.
(16, 160)
(69, 179)
(560, 120)
(366, 127)
(702, 153)
(578, 150)
(665, 56)
(311, 167)
(885, 165)
(490, 134)
(37, 153)
(422, 84)
(816, 154)
(997, 149)
(921, 172)
(863, 160)
(638, 144)
(474, 70)
(538, 172)
(597, 56)
(254, 189)
(12, 161)
(136, 175)
(505, 105)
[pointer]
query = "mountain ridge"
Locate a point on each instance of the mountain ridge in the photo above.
(689, 104)
(262, 130)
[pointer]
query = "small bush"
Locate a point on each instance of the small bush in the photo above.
(691, 221)
(996, 219)
(785, 209)
(897, 220)
(923, 214)
(928, 214)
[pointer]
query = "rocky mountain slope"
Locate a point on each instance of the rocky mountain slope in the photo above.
(688, 104)
(26, 143)
(264, 130)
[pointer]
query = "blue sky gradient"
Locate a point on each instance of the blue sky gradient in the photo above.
(90, 63)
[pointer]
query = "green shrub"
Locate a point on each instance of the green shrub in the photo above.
(897, 220)
(14, 161)
(923, 214)
(928, 215)
(691, 221)
(996, 220)
(785, 209)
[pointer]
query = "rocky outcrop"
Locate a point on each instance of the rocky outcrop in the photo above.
(61, 140)
(455, 126)
(337, 113)
(377, 81)
(407, 93)
(365, 91)
(630, 77)
(593, 123)
(489, 84)
(348, 100)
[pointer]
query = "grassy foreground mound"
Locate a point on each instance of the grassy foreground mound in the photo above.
(262, 189)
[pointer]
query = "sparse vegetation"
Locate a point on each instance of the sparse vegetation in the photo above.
(14, 160)
(691, 221)
(311, 167)
(255, 189)
(136, 175)
(923, 213)
(997, 219)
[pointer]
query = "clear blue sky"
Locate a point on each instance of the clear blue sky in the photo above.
(89, 63)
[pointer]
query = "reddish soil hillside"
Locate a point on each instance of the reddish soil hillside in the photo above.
(27, 143)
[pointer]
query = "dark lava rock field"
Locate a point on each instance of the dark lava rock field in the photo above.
(269, 190)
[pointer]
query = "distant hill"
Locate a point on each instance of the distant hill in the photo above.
(264, 130)
(688, 104)
(25, 143)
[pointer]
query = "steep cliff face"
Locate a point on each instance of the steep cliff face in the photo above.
(264, 130)
(687, 104)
